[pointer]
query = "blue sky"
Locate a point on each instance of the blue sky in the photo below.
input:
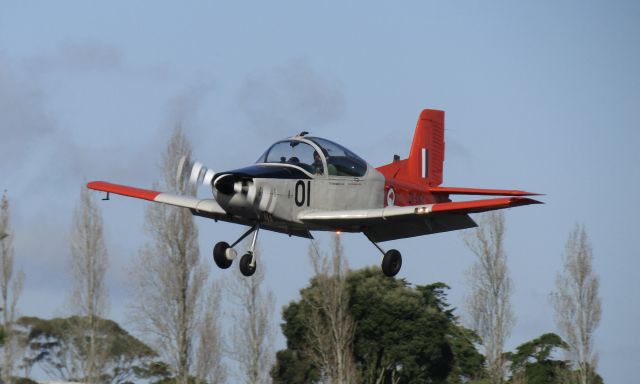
(541, 96)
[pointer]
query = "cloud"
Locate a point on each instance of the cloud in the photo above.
(184, 106)
(76, 56)
(27, 127)
(290, 99)
(24, 120)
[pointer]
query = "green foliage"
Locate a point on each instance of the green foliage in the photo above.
(532, 361)
(23, 380)
(57, 346)
(293, 367)
(402, 333)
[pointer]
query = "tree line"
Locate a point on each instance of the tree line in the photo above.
(349, 326)
(362, 327)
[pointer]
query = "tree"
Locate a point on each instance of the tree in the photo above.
(253, 327)
(330, 326)
(489, 305)
(56, 346)
(88, 266)
(577, 304)
(402, 335)
(532, 362)
(10, 289)
(169, 281)
(209, 366)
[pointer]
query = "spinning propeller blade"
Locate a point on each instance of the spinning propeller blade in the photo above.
(198, 174)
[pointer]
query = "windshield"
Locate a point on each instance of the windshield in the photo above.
(340, 161)
(290, 152)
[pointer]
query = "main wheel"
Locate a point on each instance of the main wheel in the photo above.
(219, 255)
(391, 263)
(245, 265)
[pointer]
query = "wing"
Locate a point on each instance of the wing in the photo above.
(209, 206)
(392, 223)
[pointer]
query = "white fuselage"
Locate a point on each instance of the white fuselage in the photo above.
(275, 194)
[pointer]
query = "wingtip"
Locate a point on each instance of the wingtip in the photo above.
(94, 184)
(526, 201)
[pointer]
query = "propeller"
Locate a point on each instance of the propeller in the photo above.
(199, 173)
(261, 197)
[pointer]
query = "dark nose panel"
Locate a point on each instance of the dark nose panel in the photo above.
(265, 172)
(224, 183)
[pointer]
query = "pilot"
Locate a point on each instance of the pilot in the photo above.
(317, 163)
(318, 169)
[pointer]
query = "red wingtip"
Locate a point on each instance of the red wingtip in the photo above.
(124, 190)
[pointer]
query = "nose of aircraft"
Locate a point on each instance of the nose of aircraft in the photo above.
(227, 184)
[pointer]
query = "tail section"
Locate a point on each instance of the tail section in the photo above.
(427, 150)
(426, 158)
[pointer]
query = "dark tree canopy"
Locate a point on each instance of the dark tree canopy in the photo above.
(402, 333)
(533, 362)
(55, 345)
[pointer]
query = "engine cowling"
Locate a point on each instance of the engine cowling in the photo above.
(241, 195)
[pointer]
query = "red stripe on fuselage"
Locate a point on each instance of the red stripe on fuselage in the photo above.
(118, 189)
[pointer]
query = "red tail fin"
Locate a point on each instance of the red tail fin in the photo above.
(427, 150)
(424, 165)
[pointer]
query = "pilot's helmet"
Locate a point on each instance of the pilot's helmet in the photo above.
(316, 155)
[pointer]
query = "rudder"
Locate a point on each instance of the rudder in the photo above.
(426, 157)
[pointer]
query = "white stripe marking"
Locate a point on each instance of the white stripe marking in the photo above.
(208, 176)
(424, 163)
(195, 172)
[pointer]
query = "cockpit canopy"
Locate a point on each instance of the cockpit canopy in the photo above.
(312, 153)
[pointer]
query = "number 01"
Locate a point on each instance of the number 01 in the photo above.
(303, 193)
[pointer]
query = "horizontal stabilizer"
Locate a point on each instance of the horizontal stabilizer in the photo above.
(390, 223)
(478, 191)
(476, 206)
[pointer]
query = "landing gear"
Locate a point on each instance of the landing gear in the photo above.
(223, 253)
(391, 260)
(247, 264)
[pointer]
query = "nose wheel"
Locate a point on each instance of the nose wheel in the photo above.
(223, 253)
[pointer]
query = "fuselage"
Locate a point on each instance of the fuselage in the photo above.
(306, 174)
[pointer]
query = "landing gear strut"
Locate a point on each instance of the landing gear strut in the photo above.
(248, 260)
(391, 260)
(223, 253)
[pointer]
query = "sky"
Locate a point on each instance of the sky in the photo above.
(541, 96)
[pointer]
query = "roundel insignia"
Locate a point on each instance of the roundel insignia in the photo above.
(391, 197)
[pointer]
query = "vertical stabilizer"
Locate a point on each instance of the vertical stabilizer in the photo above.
(426, 157)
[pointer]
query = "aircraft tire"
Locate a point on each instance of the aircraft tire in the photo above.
(391, 262)
(219, 255)
(245, 265)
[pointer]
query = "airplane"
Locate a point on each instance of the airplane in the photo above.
(306, 183)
